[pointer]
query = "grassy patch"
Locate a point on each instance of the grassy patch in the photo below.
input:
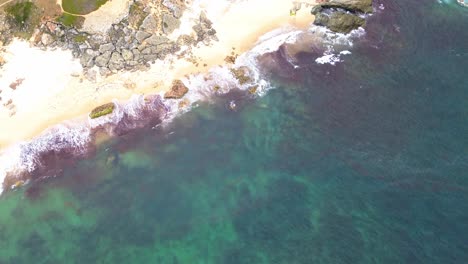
(102, 110)
(136, 15)
(23, 17)
(71, 20)
(80, 38)
(20, 12)
(82, 7)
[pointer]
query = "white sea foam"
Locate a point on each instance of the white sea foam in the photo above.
(24, 156)
(336, 44)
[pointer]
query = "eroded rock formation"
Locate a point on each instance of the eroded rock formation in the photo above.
(342, 16)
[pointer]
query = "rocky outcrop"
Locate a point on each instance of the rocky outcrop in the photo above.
(339, 21)
(342, 16)
(178, 90)
(362, 6)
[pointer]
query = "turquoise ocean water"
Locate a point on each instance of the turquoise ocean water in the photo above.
(361, 162)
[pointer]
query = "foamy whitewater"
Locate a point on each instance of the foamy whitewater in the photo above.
(77, 137)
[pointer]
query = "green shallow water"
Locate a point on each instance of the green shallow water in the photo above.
(363, 162)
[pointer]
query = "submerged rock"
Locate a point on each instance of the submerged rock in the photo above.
(177, 91)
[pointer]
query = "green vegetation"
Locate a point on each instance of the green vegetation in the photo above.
(136, 15)
(71, 20)
(82, 7)
(102, 110)
(80, 38)
(23, 18)
(20, 12)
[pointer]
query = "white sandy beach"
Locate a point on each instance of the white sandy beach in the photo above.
(53, 90)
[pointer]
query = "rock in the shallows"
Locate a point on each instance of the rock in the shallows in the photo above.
(102, 110)
(178, 90)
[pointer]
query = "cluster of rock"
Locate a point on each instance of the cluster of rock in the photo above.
(132, 44)
(342, 16)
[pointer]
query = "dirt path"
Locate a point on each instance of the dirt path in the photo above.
(2, 3)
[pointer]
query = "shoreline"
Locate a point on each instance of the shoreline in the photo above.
(28, 99)
(49, 114)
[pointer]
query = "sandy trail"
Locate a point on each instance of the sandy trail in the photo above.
(53, 90)
(2, 3)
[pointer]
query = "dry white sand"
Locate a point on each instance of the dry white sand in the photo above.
(53, 91)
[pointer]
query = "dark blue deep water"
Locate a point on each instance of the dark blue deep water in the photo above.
(361, 162)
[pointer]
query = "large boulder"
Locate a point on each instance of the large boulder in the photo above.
(102, 60)
(339, 21)
(155, 40)
(47, 39)
(169, 23)
(116, 62)
(127, 55)
(106, 47)
(141, 36)
(178, 90)
(102, 110)
(341, 15)
(150, 24)
(87, 58)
